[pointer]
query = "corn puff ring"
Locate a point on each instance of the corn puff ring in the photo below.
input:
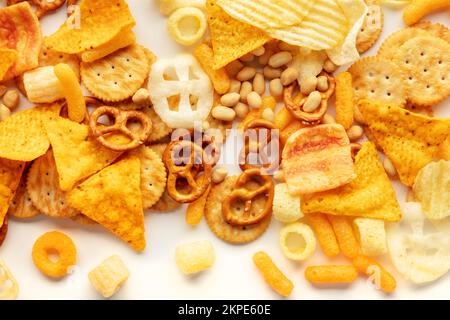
(420, 8)
(325, 234)
(383, 279)
(345, 236)
(54, 243)
(183, 29)
(331, 274)
(297, 241)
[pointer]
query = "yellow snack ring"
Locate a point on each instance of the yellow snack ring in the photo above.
(187, 25)
(54, 243)
(297, 241)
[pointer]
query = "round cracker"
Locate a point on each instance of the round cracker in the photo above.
(158, 148)
(153, 176)
(43, 188)
(217, 223)
(378, 79)
(118, 76)
(165, 204)
(425, 64)
(436, 29)
(390, 46)
(22, 207)
(372, 27)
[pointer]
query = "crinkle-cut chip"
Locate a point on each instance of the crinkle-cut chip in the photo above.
(43, 188)
(20, 31)
(109, 276)
(410, 140)
(195, 257)
(153, 175)
(100, 21)
(10, 174)
(286, 208)
(118, 76)
(370, 195)
(77, 154)
(432, 189)
(113, 198)
(7, 58)
(158, 148)
(222, 229)
(371, 234)
(317, 159)
(372, 27)
(231, 39)
(395, 40)
(308, 63)
(50, 57)
(436, 29)
(425, 63)
(378, 79)
(21, 206)
(419, 251)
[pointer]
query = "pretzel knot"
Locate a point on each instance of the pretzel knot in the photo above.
(260, 147)
(295, 104)
(185, 160)
(120, 119)
(241, 193)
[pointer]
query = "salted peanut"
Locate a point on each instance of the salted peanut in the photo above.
(272, 73)
(235, 86)
(241, 110)
(206, 125)
(109, 276)
(328, 119)
(3, 90)
(219, 174)
(247, 57)
(259, 84)
(246, 88)
(389, 167)
(11, 99)
(223, 113)
(230, 99)
(142, 98)
(331, 274)
(280, 59)
(283, 46)
(246, 74)
(276, 88)
(4, 112)
(233, 68)
(289, 76)
(329, 66)
(278, 176)
(264, 59)
(195, 257)
(254, 100)
(308, 85)
(355, 133)
(322, 84)
(268, 114)
(313, 102)
(259, 52)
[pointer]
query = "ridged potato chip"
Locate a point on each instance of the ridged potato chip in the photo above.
(432, 189)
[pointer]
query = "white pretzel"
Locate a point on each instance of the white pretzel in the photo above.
(182, 68)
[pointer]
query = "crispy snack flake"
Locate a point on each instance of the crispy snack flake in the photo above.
(108, 277)
(7, 59)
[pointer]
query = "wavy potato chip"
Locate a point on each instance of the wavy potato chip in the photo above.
(370, 195)
(410, 140)
(100, 21)
(7, 58)
(113, 198)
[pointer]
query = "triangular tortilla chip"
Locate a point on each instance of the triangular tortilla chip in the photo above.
(10, 174)
(231, 39)
(113, 198)
(370, 195)
(77, 155)
(410, 140)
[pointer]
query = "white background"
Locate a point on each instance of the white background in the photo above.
(154, 274)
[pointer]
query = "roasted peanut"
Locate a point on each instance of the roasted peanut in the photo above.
(329, 66)
(328, 119)
(271, 73)
(276, 88)
(312, 102)
(230, 99)
(259, 84)
(259, 52)
(322, 83)
(268, 114)
(355, 133)
(246, 74)
(235, 86)
(219, 174)
(280, 59)
(289, 76)
(223, 113)
(11, 99)
(246, 88)
(241, 110)
(254, 100)
(308, 85)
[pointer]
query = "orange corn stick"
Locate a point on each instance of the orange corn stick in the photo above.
(371, 268)
(71, 89)
(344, 100)
(325, 234)
(331, 274)
(273, 276)
(345, 236)
(195, 210)
(420, 8)
(283, 118)
(290, 130)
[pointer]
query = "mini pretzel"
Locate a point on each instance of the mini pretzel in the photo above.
(295, 104)
(188, 170)
(258, 124)
(244, 194)
(121, 119)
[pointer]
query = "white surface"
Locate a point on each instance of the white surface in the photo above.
(154, 274)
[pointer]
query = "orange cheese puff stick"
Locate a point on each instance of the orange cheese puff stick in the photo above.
(420, 8)
(344, 100)
(383, 279)
(345, 236)
(194, 211)
(325, 234)
(283, 118)
(273, 276)
(71, 90)
(331, 274)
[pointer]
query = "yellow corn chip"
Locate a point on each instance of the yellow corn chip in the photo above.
(100, 21)
(370, 195)
(231, 39)
(7, 59)
(77, 155)
(409, 140)
(219, 77)
(113, 198)
(10, 174)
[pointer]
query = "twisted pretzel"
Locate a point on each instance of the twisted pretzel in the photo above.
(242, 193)
(258, 124)
(187, 167)
(295, 104)
(120, 119)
